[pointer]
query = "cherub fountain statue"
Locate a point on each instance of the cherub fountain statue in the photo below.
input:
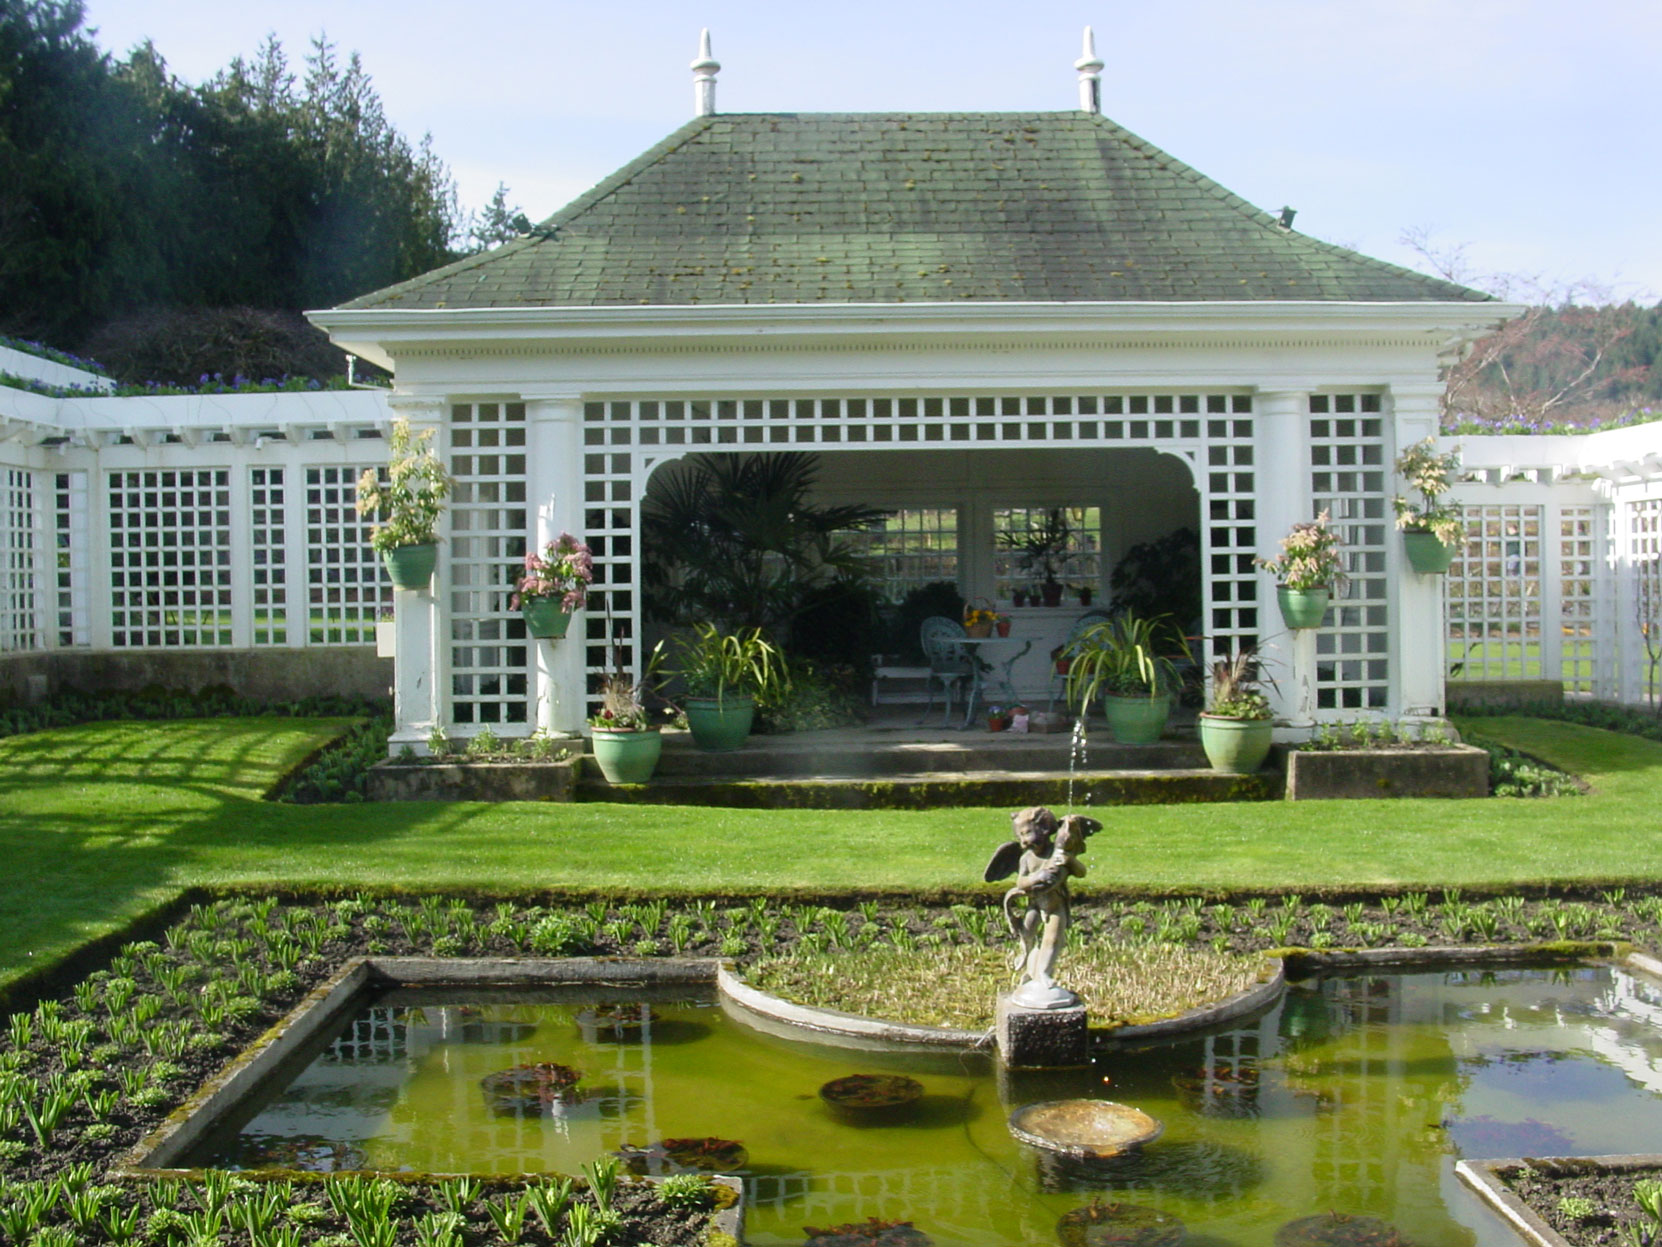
(1044, 856)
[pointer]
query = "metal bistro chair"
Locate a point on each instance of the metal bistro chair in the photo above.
(949, 662)
(1058, 678)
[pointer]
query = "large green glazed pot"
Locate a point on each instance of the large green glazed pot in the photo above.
(1301, 608)
(545, 618)
(627, 757)
(1135, 720)
(1235, 746)
(1426, 554)
(719, 724)
(411, 567)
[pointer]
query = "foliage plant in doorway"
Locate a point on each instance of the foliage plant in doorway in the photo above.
(1132, 664)
(554, 586)
(1308, 571)
(724, 674)
(740, 542)
(1043, 548)
(406, 506)
(1431, 528)
(1236, 727)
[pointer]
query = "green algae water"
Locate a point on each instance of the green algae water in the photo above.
(1353, 1096)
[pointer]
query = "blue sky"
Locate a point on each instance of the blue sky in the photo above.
(1524, 130)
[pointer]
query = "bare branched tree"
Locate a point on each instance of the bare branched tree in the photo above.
(1552, 364)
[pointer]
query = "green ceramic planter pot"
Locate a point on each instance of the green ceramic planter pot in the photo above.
(411, 567)
(545, 618)
(1235, 746)
(720, 724)
(1301, 608)
(1427, 555)
(627, 757)
(1135, 720)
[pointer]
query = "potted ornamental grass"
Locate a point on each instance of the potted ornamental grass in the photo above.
(406, 506)
(1308, 571)
(723, 675)
(626, 743)
(1131, 663)
(554, 586)
(1431, 528)
(1236, 728)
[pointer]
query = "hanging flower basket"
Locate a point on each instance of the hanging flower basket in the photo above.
(545, 618)
(1301, 608)
(411, 567)
(1428, 555)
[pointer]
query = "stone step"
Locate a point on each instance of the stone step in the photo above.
(1002, 788)
(764, 757)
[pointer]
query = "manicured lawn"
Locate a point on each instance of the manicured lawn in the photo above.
(99, 822)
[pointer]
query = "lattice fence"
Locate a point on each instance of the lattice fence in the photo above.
(19, 596)
(170, 557)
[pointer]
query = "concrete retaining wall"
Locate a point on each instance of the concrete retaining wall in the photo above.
(1502, 694)
(262, 674)
(1449, 771)
(474, 781)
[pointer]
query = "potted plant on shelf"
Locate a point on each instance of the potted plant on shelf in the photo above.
(1131, 663)
(1236, 728)
(626, 742)
(1043, 550)
(554, 585)
(406, 506)
(1431, 528)
(724, 674)
(1308, 571)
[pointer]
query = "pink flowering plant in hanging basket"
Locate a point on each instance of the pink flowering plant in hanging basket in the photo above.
(1311, 558)
(563, 570)
(1429, 474)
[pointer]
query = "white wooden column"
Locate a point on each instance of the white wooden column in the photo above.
(1281, 468)
(1418, 628)
(420, 696)
(554, 496)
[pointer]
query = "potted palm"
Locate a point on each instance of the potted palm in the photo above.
(1308, 571)
(626, 742)
(724, 674)
(406, 506)
(554, 585)
(1131, 664)
(1236, 728)
(1431, 528)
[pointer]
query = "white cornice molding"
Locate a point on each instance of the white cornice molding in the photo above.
(380, 334)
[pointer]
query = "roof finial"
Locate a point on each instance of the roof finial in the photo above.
(704, 70)
(1090, 76)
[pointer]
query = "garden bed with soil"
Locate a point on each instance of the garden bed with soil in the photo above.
(86, 1073)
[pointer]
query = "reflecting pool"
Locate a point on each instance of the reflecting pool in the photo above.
(1353, 1096)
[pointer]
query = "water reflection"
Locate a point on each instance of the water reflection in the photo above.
(1352, 1097)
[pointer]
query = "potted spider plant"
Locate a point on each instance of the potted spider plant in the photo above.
(1308, 571)
(1235, 728)
(724, 674)
(1431, 529)
(1131, 663)
(406, 506)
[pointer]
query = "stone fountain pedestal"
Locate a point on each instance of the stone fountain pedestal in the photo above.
(1051, 1037)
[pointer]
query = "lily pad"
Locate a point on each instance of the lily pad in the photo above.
(692, 1155)
(867, 1093)
(1103, 1223)
(868, 1233)
(1338, 1229)
(531, 1090)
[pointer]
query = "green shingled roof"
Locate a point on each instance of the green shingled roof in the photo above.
(907, 207)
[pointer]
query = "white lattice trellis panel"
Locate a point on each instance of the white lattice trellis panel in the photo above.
(71, 512)
(170, 557)
(346, 585)
(268, 575)
(489, 655)
(1494, 595)
(19, 593)
(1348, 481)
